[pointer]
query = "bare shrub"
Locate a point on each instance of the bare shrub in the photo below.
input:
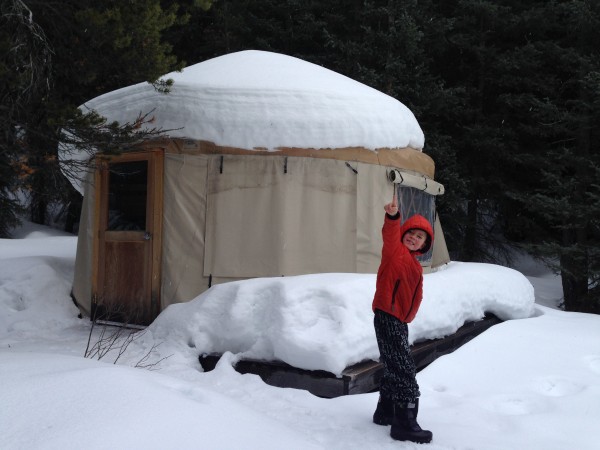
(114, 337)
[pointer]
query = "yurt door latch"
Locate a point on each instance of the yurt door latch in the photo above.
(147, 236)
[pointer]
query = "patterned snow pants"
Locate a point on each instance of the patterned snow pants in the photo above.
(399, 382)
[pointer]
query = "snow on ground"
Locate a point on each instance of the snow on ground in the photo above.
(532, 382)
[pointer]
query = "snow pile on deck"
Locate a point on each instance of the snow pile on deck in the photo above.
(324, 321)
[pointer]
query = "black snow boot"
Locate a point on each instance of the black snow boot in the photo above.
(385, 411)
(405, 426)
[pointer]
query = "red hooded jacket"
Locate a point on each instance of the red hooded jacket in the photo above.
(399, 287)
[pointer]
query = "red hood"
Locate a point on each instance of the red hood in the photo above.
(420, 222)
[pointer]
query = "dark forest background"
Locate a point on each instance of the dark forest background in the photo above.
(506, 92)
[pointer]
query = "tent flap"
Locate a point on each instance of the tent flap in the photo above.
(269, 216)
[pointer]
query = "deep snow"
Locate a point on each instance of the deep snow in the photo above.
(529, 383)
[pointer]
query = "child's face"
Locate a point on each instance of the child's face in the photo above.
(414, 239)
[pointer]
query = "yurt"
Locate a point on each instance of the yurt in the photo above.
(272, 166)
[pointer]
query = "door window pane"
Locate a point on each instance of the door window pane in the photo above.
(127, 193)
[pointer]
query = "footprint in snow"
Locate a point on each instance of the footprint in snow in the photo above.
(556, 386)
(512, 405)
(593, 362)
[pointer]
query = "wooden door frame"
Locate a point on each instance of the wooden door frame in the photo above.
(155, 158)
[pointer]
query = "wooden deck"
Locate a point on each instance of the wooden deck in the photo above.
(357, 379)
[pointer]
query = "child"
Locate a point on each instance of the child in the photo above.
(398, 295)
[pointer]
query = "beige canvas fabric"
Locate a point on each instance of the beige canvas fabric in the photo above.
(82, 281)
(440, 254)
(298, 216)
(373, 192)
(230, 216)
(184, 227)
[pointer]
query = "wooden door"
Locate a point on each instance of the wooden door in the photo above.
(127, 239)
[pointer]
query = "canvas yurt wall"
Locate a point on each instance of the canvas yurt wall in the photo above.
(289, 187)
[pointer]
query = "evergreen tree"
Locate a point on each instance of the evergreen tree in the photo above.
(291, 27)
(96, 48)
(469, 60)
(558, 117)
(25, 57)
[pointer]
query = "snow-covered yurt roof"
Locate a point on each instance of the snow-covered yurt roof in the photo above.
(257, 100)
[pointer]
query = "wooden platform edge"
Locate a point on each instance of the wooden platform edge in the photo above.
(358, 378)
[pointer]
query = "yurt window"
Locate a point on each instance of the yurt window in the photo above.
(127, 193)
(416, 201)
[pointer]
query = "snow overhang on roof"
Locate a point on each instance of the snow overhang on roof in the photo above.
(262, 100)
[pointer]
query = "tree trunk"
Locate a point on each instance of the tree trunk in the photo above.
(73, 212)
(38, 195)
(574, 271)
(575, 288)
(469, 242)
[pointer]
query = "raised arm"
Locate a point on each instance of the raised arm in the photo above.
(392, 207)
(391, 226)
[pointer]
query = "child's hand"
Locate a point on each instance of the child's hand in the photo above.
(392, 208)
